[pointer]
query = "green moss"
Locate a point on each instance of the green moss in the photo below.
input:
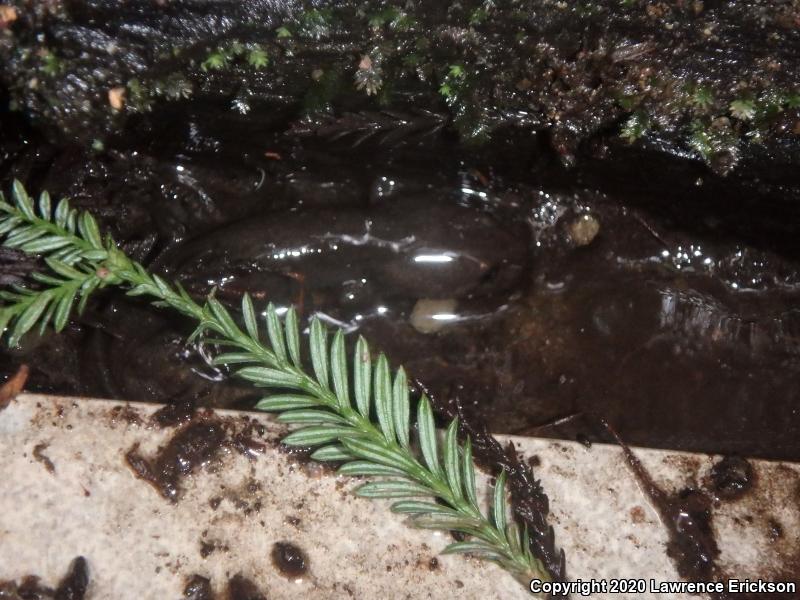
(700, 140)
(50, 64)
(316, 23)
(480, 15)
(173, 87)
(369, 75)
(453, 83)
(628, 102)
(224, 57)
(218, 59)
(702, 97)
(257, 57)
(716, 143)
(383, 17)
(412, 60)
(138, 98)
(743, 109)
(637, 125)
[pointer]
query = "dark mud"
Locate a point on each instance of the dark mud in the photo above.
(72, 587)
(242, 588)
(174, 413)
(687, 517)
(190, 448)
(197, 440)
(732, 477)
(39, 455)
(238, 588)
(198, 588)
(289, 560)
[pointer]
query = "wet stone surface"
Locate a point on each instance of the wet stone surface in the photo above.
(218, 507)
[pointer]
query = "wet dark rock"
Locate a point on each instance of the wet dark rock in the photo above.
(408, 249)
(706, 302)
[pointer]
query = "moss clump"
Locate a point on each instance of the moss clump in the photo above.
(716, 142)
(744, 109)
(224, 57)
(637, 126)
(647, 68)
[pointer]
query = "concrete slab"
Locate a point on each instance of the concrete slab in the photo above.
(67, 491)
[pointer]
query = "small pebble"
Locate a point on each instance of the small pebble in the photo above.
(8, 14)
(116, 98)
(584, 229)
(365, 63)
(430, 316)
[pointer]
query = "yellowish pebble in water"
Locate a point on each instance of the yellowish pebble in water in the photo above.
(584, 229)
(430, 316)
(8, 14)
(116, 98)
